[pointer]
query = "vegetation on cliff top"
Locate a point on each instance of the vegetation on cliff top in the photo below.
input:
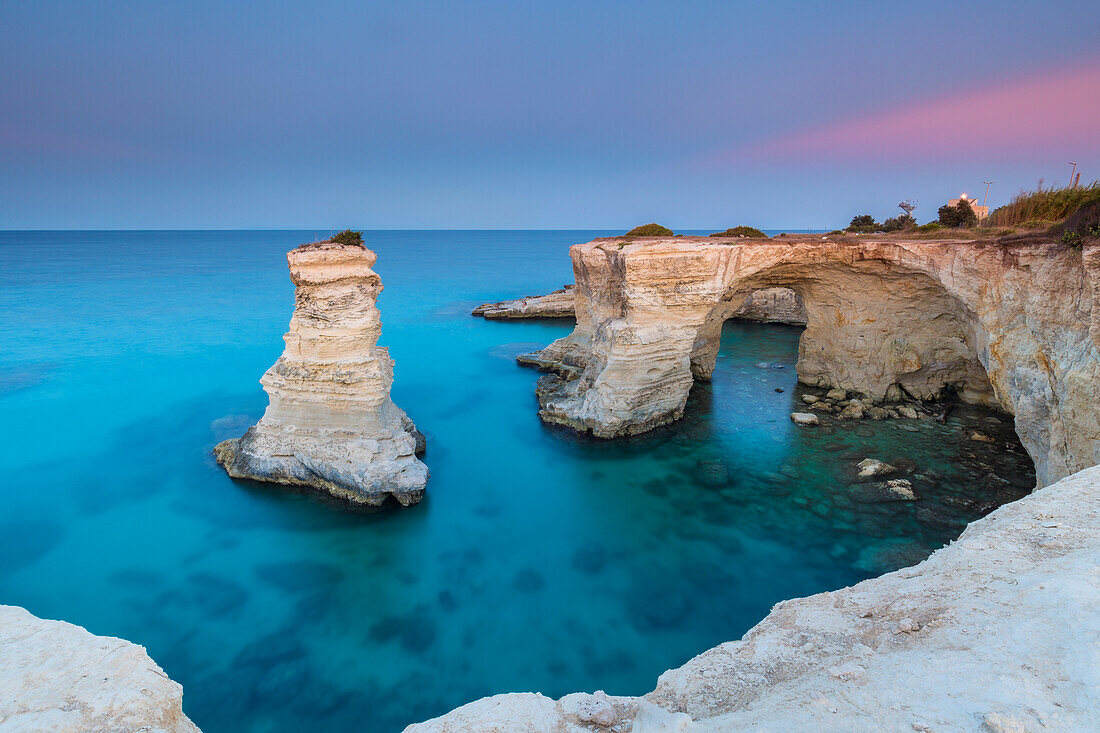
(1049, 205)
(866, 224)
(959, 215)
(650, 230)
(1082, 224)
(348, 236)
(741, 231)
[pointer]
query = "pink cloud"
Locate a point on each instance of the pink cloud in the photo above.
(1057, 111)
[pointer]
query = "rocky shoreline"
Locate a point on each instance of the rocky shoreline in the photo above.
(558, 304)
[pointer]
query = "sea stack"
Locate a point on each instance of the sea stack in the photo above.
(330, 423)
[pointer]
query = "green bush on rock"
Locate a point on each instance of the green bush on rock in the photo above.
(347, 236)
(650, 230)
(864, 223)
(741, 231)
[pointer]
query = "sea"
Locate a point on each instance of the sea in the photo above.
(539, 560)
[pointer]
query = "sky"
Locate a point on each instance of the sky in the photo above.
(534, 115)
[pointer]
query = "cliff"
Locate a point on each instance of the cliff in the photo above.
(1010, 326)
(771, 305)
(58, 677)
(995, 632)
(330, 423)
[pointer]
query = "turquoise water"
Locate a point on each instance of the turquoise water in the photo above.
(540, 559)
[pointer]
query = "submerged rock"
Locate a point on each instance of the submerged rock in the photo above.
(897, 489)
(330, 423)
(870, 467)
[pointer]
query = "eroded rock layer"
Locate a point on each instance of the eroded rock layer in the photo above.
(58, 677)
(330, 423)
(995, 632)
(1009, 326)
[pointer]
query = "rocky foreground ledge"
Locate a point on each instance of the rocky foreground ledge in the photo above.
(997, 632)
(330, 423)
(58, 677)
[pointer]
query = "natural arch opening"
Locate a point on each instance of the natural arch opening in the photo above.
(871, 328)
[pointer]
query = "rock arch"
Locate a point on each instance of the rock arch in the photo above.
(1010, 325)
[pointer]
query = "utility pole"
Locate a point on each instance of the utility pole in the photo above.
(1071, 174)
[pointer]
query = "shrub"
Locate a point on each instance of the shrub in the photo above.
(897, 224)
(1052, 204)
(932, 226)
(864, 223)
(1081, 224)
(741, 232)
(650, 230)
(959, 215)
(347, 236)
(1072, 239)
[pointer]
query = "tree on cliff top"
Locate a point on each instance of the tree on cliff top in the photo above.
(959, 215)
(348, 236)
(864, 223)
(650, 230)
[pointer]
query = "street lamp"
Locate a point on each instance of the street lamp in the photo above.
(985, 201)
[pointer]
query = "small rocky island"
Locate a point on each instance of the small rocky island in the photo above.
(331, 424)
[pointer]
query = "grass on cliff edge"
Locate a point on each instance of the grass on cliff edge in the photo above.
(1049, 205)
(348, 236)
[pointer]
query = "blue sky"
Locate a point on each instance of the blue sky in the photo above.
(534, 115)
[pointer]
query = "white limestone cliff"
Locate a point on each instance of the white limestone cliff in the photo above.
(59, 678)
(1015, 326)
(330, 423)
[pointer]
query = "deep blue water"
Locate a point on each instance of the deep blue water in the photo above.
(540, 560)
